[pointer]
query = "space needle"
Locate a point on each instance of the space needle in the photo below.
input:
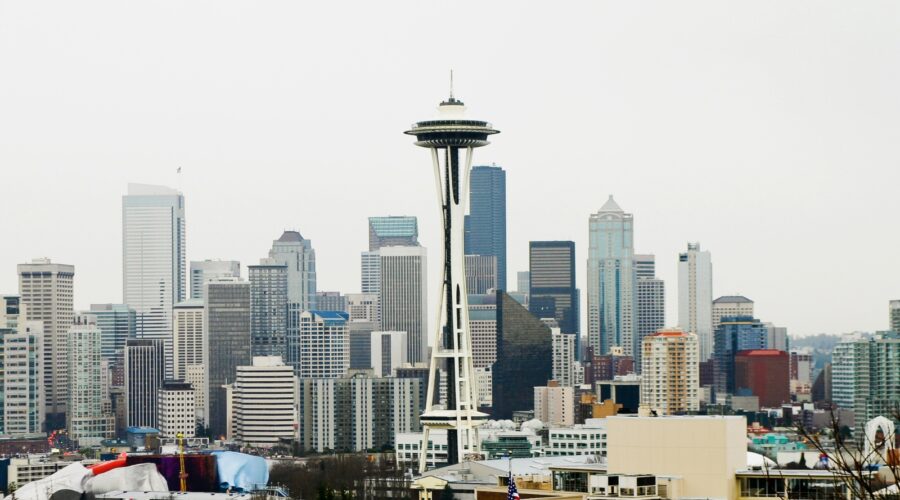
(451, 138)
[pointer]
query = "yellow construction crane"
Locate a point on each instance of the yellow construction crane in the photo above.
(182, 475)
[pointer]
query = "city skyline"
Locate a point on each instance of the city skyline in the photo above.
(789, 138)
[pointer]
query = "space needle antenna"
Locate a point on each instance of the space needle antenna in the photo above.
(451, 84)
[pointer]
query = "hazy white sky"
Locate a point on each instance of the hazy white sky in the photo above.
(768, 131)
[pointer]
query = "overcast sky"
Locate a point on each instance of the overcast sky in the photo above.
(767, 131)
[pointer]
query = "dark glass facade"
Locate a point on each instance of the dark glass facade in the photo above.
(268, 305)
(485, 226)
(735, 333)
(228, 331)
(551, 267)
(625, 393)
(524, 358)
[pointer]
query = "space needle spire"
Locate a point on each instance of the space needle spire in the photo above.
(451, 138)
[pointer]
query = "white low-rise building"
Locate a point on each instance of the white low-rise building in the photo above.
(177, 413)
(586, 439)
(262, 402)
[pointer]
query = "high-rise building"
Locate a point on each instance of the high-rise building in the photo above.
(117, 324)
(651, 301)
(611, 279)
(486, 222)
(86, 421)
(523, 282)
(177, 411)
(269, 308)
(227, 321)
(393, 230)
(325, 344)
(153, 259)
(389, 352)
(563, 358)
(554, 404)
(734, 334)
(46, 290)
(695, 296)
(864, 375)
(331, 301)
(730, 306)
(404, 296)
(370, 272)
(552, 292)
(481, 273)
(894, 318)
(357, 412)
(207, 270)
(524, 358)
(670, 373)
(599, 367)
(776, 337)
(483, 330)
(21, 373)
(764, 373)
(189, 352)
(263, 402)
(144, 375)
(362, 306)
(361, 343)
(292, 250)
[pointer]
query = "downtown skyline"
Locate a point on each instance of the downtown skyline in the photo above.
(765, 190)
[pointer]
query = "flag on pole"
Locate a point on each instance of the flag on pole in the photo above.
(512, 492)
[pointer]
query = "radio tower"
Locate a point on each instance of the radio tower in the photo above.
(447, 136)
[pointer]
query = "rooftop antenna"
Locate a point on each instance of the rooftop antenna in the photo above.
(451, 84)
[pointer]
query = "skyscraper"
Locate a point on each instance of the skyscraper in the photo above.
(735, 334)
(731, 306)
(117, 324)
(269, 308)
(190, 346)
(894, 319)
(153, 259)
(404, 288)
(481, 273)
(486, 222)
(370, 272)
(670, 373)
(551, 268)
(144, 375)
(393, 230)
(46, 291)
(86, 421)
(206, 270)
(227, 320)
(292, 250)
(523, 282)
(22, 380)
(324, 344)
(524, 358)
(695, 296)
(651, 302)
(388, 352)
(331, 301)
(865, 374)
(611, 279)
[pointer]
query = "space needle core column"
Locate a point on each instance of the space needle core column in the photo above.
(448, 135)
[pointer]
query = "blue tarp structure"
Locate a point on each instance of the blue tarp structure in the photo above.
(240, 472)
